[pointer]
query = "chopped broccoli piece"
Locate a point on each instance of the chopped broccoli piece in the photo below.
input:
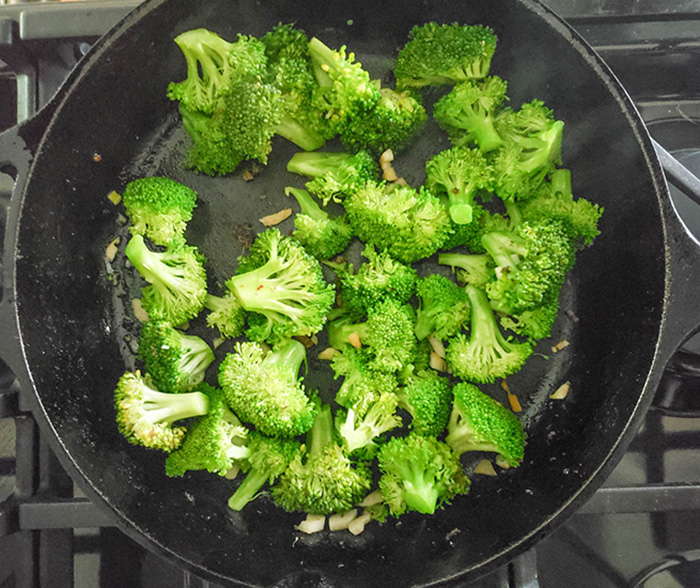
(284, 285)
(159, 208)
(359, 429)
(146, 416)
(536, 323)
(321, 479)
(226, 314)
(443, 309)
(266, 390)
(438, 54)
(427, 397)
(477, 269)
(320, 233)
(485, 354)
(480, 423)
(419, 474)
(175, 361)
(177, 280)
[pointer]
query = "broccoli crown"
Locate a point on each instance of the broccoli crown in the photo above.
(334, 175)
(459, 173)
(419, 474)
(266, 390)
(438, 54)
(175, 361)
(267, 458)
(321, 479)
(177, 280)
(444, 307)
(213, 442)
(396, 119)
(379, 278)
(485, 354)
(532, 263)
(536, 323)
(213, 65)
(477, 269)
(320, 233)
(284, 285)
(358, 431)
(409, 224)
(226, 314)
(427, 397)
(480, 423)
(145, 416)
(159, 208)
(345, 90)
(468, 112)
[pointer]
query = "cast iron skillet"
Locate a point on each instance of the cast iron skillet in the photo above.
(66, 321)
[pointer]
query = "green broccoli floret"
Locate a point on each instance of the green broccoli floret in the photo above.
(409, 224)
(266, 390)
(286, 289)
(427, 397)
(359, 429)
(321, 479)
(146, 416)
(535, 324)
(213, 65)
(175, 361)
(267, 458)
(177, 280)
(531, 265)
(480, 423)
(485, 354)
(439, 54)
(159, 208)
(320, 233)
(387, 332)
(419, 474)
(334, 175)
(214, 442)
(393, 122)
(363, 383)
(477, 269)
(378, 278)
(226, 314)
(443, 307)
(468, 112)
(459, 174)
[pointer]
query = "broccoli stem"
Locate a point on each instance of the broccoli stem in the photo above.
(308, 204)
(475, 267)
(314, 165)
(322, 55)
(484, 327)
(321, 433)
(561, 181)
(421, 492)
(197, 357)
(505, 248)
(302, 136)
(249, 487)
(205, 53)
(291, 355)
(163, 407)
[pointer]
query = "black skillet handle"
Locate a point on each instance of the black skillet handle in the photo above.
(679, 390)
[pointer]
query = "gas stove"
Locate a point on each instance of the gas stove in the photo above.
(640, 530)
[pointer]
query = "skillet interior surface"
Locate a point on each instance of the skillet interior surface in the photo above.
(77, 329)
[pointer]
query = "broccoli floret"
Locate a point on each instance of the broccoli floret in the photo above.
(226, 314)
(175, 361)
(146, 416)
(459, 174)
(480, 423)
(320, 233)
(531, 261)
(286, 289)
(396, 119)
(267, 458)
(536, 323)
(363, 383)
(359, 429)
(177, 280)
(378, 278)
(427, 397)
(266, 390)
(213, 442)
(159, 208)
(409, 224)
(468, 112)
(485, 354)
(213, 65)
(439, 54)
(334, 175)
(443, 307)
(321, 479)
(387, 332)
(477, 269)
(419, 474)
